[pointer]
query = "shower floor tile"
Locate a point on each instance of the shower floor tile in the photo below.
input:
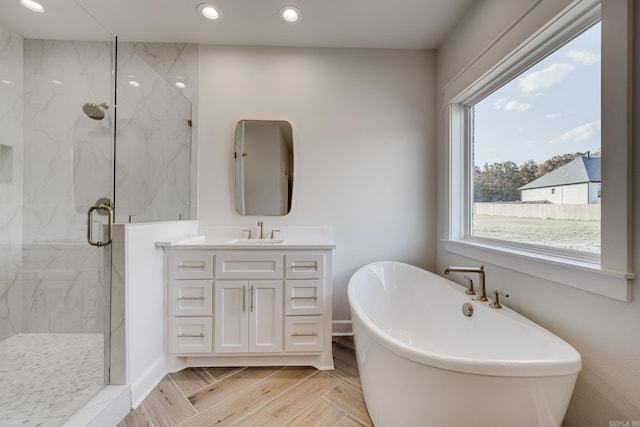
(44, 378)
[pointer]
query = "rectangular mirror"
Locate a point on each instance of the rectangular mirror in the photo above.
(263, 157)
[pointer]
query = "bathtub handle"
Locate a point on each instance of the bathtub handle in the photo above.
(496, 299)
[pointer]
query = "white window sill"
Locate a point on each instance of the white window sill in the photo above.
(583, 275)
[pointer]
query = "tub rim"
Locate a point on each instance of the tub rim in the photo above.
(506, 368)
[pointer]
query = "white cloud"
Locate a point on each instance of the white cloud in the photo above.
(578, 133)
(583, 57)
(545, 78)
(505, 104)
(553, 116)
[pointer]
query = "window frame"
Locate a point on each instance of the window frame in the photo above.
(609, 274)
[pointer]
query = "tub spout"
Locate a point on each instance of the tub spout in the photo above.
(482, 292)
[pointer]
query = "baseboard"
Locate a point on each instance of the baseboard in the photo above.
(342, 328)
(142, 386)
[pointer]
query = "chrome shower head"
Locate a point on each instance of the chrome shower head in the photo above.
(95, 111)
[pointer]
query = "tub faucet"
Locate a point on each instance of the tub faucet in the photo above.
(482, 292)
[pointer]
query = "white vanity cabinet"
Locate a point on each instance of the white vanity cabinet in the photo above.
(304, 289)
(249, 307)
(190, 294)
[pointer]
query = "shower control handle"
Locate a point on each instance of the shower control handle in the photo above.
(102, 207)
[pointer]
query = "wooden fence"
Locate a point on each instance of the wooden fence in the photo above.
(535, 210)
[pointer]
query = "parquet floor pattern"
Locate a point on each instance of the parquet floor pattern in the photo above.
(268, 396)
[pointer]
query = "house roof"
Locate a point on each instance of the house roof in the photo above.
(580, 170)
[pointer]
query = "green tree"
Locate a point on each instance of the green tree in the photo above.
(499, 182)
(528, 171)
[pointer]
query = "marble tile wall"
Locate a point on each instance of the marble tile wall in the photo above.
(67, 167)
(179, 63)
(11, 154)
(61, 163)
(153, 163)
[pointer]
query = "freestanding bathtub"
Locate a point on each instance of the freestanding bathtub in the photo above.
(424, 363)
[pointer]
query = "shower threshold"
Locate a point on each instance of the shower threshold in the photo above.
(45, 378)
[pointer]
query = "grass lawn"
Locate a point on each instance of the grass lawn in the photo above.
(566, 234)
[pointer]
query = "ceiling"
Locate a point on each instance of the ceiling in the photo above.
(396, 24)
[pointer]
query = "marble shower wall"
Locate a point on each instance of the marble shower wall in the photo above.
(11, 160)
(55, 163)
(153, 155)
(67, 167)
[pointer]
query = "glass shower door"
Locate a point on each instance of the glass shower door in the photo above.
(56, 161)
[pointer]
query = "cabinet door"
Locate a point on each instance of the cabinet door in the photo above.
(265, 328)
(231, 317)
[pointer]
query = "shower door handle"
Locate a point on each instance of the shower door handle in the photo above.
(102, 207)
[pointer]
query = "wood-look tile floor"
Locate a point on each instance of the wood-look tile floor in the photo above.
(269, 396)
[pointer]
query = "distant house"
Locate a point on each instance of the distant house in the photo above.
(577, 182)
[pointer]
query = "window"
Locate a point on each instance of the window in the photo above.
(539, 130)
(480, 90)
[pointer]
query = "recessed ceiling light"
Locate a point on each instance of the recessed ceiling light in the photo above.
(209, 12)
(290, 14)
(134, 83)
(32, 5)
(180, 85)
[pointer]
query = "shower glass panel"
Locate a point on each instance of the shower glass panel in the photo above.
(55, 163)
(153, 156)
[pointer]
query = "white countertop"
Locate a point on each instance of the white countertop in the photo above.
(227, 238)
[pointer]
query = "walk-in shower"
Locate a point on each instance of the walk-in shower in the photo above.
(54, 286)
(61, 188)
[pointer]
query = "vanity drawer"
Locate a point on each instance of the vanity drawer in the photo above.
(303, 297)
(192, 297)
(249, 266)
(304, 266)
(191, 265)
(303, 333)
(191, 335)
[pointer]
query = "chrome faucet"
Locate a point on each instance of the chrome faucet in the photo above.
(260, 224)
(482, 292)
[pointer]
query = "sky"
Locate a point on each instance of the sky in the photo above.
(553, 108)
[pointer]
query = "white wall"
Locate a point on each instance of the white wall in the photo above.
(364, 150)
(604, 331)
(145, 296)
(572, 194)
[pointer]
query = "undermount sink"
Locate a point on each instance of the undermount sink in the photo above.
(254, 241)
